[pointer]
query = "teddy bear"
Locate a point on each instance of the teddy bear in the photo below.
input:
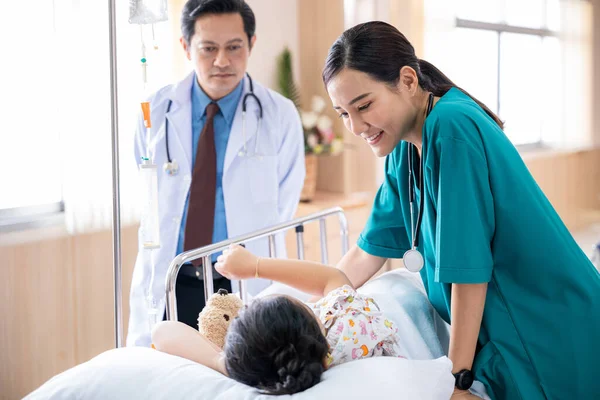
(221, 308)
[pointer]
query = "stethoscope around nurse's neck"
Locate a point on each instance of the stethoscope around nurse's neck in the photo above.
(413, 259)
(172, 168)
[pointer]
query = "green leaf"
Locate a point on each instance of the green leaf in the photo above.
(285, 78)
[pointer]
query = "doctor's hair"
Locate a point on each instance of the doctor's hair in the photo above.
(194, 9)
(380, 50)
(276, 345)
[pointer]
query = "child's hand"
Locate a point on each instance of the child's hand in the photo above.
(236, 263)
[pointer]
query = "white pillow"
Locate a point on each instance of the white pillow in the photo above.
(142, 373)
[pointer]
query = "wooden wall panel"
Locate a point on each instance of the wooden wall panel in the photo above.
(571, 181)
(57, 305)
(37, 314)
(319, 24)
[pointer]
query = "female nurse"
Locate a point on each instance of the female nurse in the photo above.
(498, 263)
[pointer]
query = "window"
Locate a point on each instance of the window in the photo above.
(29, 138)
(55, 142)
(513, 55)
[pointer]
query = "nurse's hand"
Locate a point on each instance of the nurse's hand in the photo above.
(236, 263)
(463, 395)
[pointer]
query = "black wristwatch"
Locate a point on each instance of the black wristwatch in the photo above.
(464, 379)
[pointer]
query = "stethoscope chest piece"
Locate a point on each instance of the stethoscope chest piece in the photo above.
(413, 260)
(171, 168)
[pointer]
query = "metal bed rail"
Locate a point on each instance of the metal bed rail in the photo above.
(207, 251)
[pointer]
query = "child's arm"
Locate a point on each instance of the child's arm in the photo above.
(178, 339)
(307, 276)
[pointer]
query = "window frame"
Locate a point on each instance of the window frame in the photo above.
(31, 217)
(500, 28)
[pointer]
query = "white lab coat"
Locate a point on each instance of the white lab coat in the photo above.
(258, 192)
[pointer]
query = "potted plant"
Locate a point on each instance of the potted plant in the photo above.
(319, 140)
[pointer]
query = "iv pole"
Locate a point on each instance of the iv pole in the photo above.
(116, 221)
(140, 12)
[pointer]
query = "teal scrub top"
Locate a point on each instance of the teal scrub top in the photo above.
(486, 220)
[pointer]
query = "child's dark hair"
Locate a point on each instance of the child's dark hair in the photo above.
(277, 346)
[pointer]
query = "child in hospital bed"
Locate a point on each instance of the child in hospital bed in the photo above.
(279, 344)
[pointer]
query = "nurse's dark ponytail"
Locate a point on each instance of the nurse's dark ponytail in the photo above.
(380, 50)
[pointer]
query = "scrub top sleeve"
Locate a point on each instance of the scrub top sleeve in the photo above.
(465, 215)
(385, 233)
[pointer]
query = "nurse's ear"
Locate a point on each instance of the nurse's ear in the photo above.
(186, 47)
(408, 81)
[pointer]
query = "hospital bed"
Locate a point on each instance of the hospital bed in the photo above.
(142, 373)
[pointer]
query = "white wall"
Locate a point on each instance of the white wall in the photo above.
(276, 28)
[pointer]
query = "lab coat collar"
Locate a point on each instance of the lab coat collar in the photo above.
(180, 118)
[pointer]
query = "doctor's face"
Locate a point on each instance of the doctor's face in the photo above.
(219, 50)
(380, 115)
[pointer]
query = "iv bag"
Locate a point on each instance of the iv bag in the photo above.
(149, 228)
(147, 11)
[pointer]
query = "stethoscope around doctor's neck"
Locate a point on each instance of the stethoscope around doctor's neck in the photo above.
(413, 259)
(172, 168)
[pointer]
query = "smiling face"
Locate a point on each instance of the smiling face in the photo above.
(219, 50)
(380, 114)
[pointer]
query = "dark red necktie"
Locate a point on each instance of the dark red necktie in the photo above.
(201, 205)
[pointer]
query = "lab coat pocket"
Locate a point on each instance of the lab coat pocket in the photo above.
(490, 369)
(262, 179)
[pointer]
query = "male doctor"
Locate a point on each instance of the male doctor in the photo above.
(208, 169)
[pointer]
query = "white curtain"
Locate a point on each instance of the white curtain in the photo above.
(84, 106)
(576, 36)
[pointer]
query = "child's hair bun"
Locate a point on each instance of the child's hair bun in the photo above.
(295, 373)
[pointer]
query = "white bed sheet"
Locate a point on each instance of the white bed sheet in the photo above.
(141, 373)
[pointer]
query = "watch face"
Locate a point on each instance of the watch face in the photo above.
(464, 379)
